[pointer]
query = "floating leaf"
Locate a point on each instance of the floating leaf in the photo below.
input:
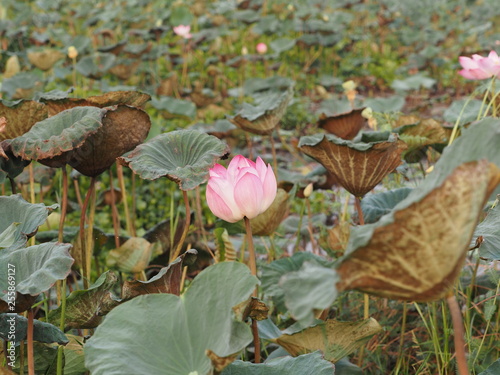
(184, 156)
(310, 288)
(344, 125)
(375, 206)
(20, 116)
(334, 338)
(133, 256)
(177, 331)
(42, 332)
(272, 273)
(86, 308)
(359, 167)
(37, 268)
(30, 216)
(168, 280)
(419, 255)
(489, 230)
(307, 364)
(130, 98)
(265, 115)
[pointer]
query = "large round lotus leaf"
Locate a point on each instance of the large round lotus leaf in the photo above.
(263, 117)
(45, 59)
(167, 334)
(123, 129)
(359, 167)
(344, 125)
(419, 255)
(29, 216)
(37, 268)
(131, 98)
(334, 338)
(307, 364)
(184, 156)
(20, 116)
(53, 140)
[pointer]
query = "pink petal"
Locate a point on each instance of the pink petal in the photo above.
(269, 186)
(248, 194)
(474, 74)
(261, 168)
(219, 207)
(493, 56)
(218, 171)
(239, 161)
(467, 62)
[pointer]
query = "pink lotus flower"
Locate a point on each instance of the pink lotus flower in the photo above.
(183, 30)
(261, 48)
(243, 189)
(480, 67)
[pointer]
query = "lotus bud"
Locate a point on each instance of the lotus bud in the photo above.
(12, 67)
(72, 52)
(244, 189)
(158, 22)
(325, 18)
(350, 91)
(261, 48)
(244, 51)
(183, 30)
(308, 190)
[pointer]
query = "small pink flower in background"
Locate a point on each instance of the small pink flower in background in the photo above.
(261, 48)
(480, 67)
(245, 188)
(183, 30)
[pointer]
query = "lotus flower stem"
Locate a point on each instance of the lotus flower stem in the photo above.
(60, 349)
(31, 356)
(77, 191)
(64, 204)
(32, 193)
(85, 257)
(256, 341)
(121, 181)
(273, 150)
(251, 261)
(114, 211)
(187, 222)
(458, 335)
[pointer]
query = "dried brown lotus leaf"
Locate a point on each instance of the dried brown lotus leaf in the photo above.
(267, 222)
(419, 255)
(358, 167)
(45, 59)
(133, 256)
(344, 125)
(20, 117)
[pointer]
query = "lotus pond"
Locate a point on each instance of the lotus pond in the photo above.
(249, 187)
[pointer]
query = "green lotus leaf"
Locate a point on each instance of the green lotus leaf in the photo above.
(184, 156)
(10, 166)
(451, 206)
(464, 111)
(391, 104)
(375, 206)
(489, 230)
(21, 86)
(493, 369)
(42, 332)
(261, 85)
(172, 107)
(96, 65)
(273, 272)
(263, 117)
(20, 115)
(29, 216)
(282, 44)
(53, 140)
(177, 331)
(358, 167)
(37, 268)
(86, 308)
(307, 364)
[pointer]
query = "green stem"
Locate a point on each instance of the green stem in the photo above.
(187, 222)
(83, 247)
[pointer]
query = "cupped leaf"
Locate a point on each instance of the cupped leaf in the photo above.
(10, 166)
(42, 332)
(310, 289)
(375, 206)
(86, 308)
(168, 280)
(96, 65)
(20, 117)
(184, 156)
(53, 140)
(489, 230)
(334, 338)
(272, 273)
(177, 331)
(133, 256)
(130, 98)
(263, 117)
(359, 167)
(344, 125)
(37, 268)
(418, 256)
(123, 129)
(307, 364)
(29, 216)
